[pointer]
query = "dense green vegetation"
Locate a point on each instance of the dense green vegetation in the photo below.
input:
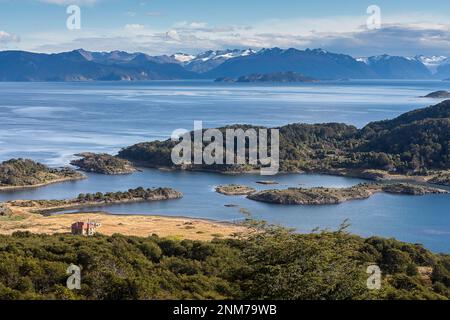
(414, 142)
(24, 172)
(272, 263)
(102, 163)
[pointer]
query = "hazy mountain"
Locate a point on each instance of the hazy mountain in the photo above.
(107, 57)
(82, 65)
(316, 63)
(394, 67)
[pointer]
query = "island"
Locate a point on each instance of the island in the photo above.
(413, 147)
(235, 190)
(267, 182)
(281, 77)
(441, 94)
(103, 163)
(325, 196)
(25, 173)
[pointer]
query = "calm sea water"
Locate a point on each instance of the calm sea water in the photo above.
(49, 122)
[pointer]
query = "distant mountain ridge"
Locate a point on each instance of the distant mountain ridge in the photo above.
(395, 67)
(82, 65)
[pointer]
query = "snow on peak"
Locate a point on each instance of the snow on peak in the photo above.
(363, 60)
(212, 55)
(183, 57)
(433, 62)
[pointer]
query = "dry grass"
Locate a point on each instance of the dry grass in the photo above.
(134, 225)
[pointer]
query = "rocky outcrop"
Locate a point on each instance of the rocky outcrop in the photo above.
(235, 190)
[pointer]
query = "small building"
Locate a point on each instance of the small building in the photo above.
(85, 228)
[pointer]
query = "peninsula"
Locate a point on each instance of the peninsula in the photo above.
(24, 173)
(413, 146)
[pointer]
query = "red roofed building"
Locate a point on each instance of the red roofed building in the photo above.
(84, 228)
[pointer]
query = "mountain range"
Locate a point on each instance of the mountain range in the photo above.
(82, 65)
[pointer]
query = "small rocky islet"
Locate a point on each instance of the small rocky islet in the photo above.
(235, 190)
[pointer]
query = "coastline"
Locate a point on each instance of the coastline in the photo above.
(366, 174)
(13, 188)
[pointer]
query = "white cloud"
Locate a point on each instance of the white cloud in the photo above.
(173, 35)
(6, 38)
(410, 34)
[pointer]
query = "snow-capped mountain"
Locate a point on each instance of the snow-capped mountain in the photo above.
(433, 62)
(210, 59)
(397, 67)
(315, 63)
(81, 65)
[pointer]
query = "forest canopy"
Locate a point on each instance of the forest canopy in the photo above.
(270, 263)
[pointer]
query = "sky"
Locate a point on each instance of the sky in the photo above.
(407, 28)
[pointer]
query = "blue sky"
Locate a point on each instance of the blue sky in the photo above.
(167, 26)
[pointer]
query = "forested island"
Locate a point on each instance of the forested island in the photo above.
(24, 173)
(281, 77)
(324, 196)
(103, 163)
(413, 146)
(441, 94)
